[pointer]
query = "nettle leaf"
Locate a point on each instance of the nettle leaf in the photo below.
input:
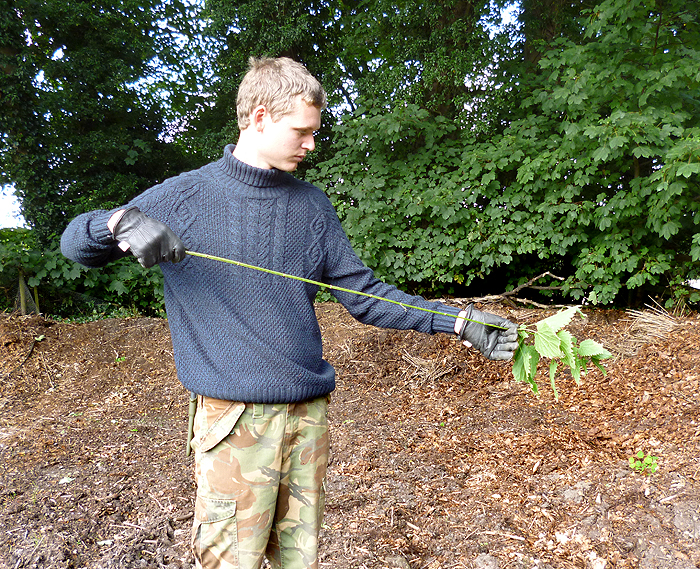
(534, 360)
(567, 347)
(576, 371)
(520, 364)
(560, 319)
(589, 348)
(525, 362)
(550, 341)
(595, 360)
(546, 341)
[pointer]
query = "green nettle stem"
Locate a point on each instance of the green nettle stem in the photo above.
(550, 339)
(324, 285)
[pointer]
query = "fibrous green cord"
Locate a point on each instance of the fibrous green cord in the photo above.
(324, 285)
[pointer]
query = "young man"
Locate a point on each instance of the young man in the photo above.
(248, 342)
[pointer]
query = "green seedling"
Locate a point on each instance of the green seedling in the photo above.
(643, 464)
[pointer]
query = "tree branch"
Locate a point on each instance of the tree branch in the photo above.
(510, 298)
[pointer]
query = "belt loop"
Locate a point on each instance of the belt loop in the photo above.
(258, 410)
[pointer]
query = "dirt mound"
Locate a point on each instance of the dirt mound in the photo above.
(439, 459)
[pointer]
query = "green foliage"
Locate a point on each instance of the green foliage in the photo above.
(609, 154)
(599, 179)
(61, 282)
(17, 250)
(374, 53)
(305, 31)
(438, 56)
(453, 156)
(643, 464)
(80, 125)
(404, 215)
(17, 247)
(553, 342)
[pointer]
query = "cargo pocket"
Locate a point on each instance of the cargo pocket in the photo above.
(214, 421)
(215, 533)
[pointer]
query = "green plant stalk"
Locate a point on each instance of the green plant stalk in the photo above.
(551, 340)
(324, 285)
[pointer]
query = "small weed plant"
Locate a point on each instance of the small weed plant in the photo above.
(643, 464)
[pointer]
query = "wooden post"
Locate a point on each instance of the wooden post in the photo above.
(22, 294)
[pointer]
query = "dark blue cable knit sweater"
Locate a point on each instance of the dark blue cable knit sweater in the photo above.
(240, 334)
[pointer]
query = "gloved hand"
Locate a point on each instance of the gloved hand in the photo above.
(495, 343)
(150, 241)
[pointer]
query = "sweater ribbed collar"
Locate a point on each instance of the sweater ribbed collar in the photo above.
(260, 181)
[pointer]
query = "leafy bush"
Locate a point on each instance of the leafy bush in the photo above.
(404, 215)
(67, 289)
(597, 182)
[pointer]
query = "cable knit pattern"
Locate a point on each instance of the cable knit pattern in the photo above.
(315, 251)
(240, 334)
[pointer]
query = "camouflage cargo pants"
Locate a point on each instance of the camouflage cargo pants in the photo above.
(259, 472)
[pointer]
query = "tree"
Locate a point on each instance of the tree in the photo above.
(304, 31)
(81, 123)
(370, 54)
(597, 176)
(604, 169)
(452, 155)
(544, 21)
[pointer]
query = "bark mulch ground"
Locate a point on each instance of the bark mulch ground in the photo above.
(439, 459)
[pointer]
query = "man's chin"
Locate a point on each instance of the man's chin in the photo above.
(289, 167)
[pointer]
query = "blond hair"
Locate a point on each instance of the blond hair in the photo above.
(276, 83)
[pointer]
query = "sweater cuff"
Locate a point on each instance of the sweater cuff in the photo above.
(98, 229)
(444, 323)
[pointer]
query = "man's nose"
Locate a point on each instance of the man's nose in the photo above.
(309, 144)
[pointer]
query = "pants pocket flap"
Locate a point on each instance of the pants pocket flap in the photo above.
(220, 428)
(211, 510)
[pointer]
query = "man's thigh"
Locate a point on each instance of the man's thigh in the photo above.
(300, 503)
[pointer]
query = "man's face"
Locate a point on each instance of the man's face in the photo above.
(284, 143)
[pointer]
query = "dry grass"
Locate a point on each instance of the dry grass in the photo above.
(427, 370)
(653, 323)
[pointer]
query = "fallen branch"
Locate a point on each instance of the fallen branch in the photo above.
(510, 298)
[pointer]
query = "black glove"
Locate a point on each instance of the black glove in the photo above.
(495, 343)
(150, 241)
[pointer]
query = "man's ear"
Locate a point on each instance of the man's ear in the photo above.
(258, 116)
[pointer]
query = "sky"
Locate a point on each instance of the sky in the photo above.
(9, 209)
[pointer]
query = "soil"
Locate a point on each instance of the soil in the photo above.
(439, 458)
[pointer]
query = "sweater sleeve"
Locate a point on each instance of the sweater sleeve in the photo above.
(87, 240)
(345, 269)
